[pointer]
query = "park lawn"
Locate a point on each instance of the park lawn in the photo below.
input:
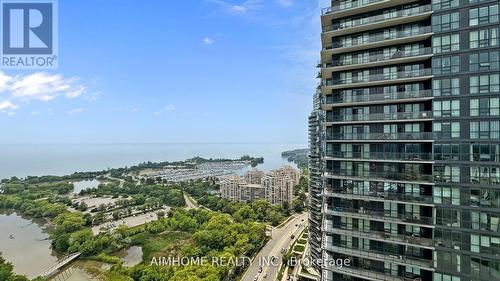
(299, 248)
(116, 276)
(168, 243)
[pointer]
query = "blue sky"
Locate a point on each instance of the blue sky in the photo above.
(197, 71)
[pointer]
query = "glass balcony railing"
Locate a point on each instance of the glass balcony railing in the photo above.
(409, 176)
(380, 136)
(377, 77)
(367, 39)
(330, 99)
(381, 255)
(376, 155)
(395, 196)
(372, 234)
(347, 5)
(378, 18)
(386, 275)
(380, 116)
(379, 214)
(380, 57)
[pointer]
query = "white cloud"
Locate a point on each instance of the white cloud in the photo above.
(170, 107)
(34, 113)
(39, 86)
(7, 106)
(75, 111)
(77, 92)
(4, 81)
(242, 8)
(208, 41)
(285, 3)
(135, 109)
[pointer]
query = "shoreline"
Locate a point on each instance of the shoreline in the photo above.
(40, 159)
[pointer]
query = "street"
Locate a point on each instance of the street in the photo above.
(190, 202)
(281, 238)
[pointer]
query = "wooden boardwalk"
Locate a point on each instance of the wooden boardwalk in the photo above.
(53, 269)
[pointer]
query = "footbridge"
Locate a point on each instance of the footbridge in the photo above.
(53, 269)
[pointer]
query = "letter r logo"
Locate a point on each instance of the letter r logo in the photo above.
(27, 28)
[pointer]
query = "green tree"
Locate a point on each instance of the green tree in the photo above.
(83, 207)
(160, 214)
(298, 205)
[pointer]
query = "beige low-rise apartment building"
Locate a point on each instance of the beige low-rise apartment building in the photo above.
(250, 192)
(276, 186)
(254, 176)
(230, 187)
(279, 188)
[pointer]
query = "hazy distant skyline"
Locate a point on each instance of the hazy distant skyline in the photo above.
(207, 71)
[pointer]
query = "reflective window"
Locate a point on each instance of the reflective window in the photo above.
(484, 61)
(446, 87)
(483, 15)
(446, 65)
(445, 22)
(484, 84)
(487, 37)
(446, 43)
(444, 4)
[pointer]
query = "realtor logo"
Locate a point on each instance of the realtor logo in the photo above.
(29, 34)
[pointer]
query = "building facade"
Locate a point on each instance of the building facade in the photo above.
(316, 135)
(410, 182)
(250, 192)
(276, 186)
(466, 134)
(254, 176)
(279, 188)
(231, 188)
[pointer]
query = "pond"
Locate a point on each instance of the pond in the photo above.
(83, 185)
(131, 256)
(25, 244)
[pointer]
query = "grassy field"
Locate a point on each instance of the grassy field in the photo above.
(160, 245)
(299, 248)
(115, 276)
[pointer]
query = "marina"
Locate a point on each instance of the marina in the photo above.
(204, 170)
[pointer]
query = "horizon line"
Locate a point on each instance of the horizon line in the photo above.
(136, 143)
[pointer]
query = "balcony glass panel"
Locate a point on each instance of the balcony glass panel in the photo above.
(380, 136)
(380, 116)
(346, 5)
(348, 78)
(377, 97)
(387, 35)
(378, 18)
(381, 175)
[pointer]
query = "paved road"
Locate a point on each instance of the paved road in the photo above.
(122, 181)
(190, 202)
(280, 239)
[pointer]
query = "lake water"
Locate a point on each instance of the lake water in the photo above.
(131, 256)
(83, 185)
(57, 159)
(82, 270)
(29, 251)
